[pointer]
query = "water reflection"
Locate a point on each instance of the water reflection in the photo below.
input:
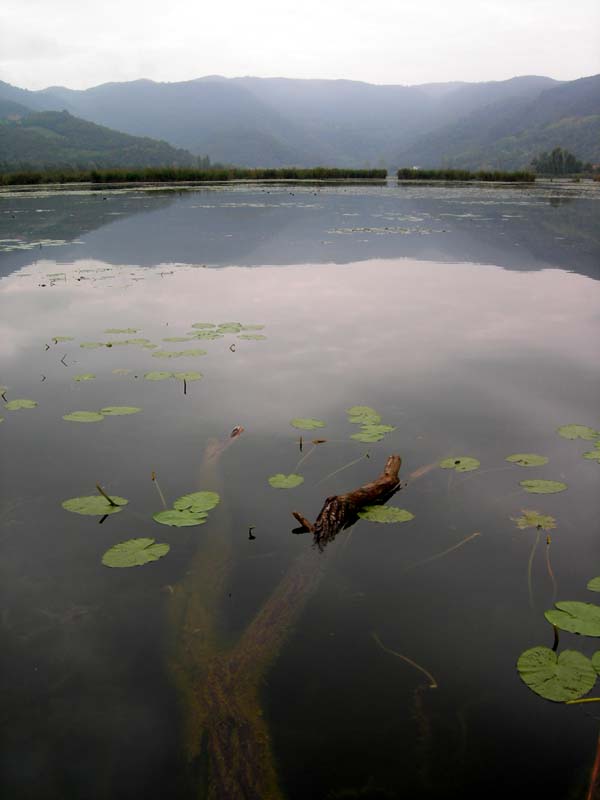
(462, 359)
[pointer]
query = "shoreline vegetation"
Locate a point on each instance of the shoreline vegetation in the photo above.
(412, 174)
(184, 174)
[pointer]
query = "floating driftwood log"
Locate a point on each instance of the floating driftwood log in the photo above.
(340, 511)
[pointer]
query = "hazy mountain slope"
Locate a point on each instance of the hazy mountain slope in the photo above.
(280, 121)
(52, 138)
(508, 134)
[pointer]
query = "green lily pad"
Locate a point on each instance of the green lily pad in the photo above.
(177, 339)
(150, 346)
(119, 411)
(255, 337)
(187, 376)
(596, 661)
(16, 405)
(575, 617)
(527, 459)
(229, 328)
(578, 432)
(203, 325)
(121, 330)
(307, 423)
(158, 376)
(178, 353)
(87, 376)
(180, 519)
(253, 327)
(134, 553)
(95, 504)
(543, 487)
(460, 463)
(281, 481)
(57, 339)
(533, 519)
(385, 514)
(363, 415)
(197, 501)
(593, 455)
(365, 436)
(84, 416)
(559, 678)
(594, 585)
(91, 345)
(206, 335)
(121, 371)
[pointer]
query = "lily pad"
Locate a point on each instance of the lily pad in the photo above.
(527, 459)
(16, 405)
(57, 339)
(229, 327)
(559, 678)
(533, 519)
(91, 345)
(121, 330)
(281, 481)
(593, 455)
(87, 376)
(366, 436)
(177, 339)
(596, 661)
(203, 325)
(256, 337)
(307, 423)
(150, 346)
(594, 585)
(178, 353)
(134, 553)
(576, 617)
(158, 376)
(206, 335)
(385, 514)
(84, 416)
(543, 487)
(197, 501)
(119, 411)
(121, 371)
(95, 504)
(187, 376)
(180, 519)
(253, 327)
(578, 432)
(363, 415)
(460, 463)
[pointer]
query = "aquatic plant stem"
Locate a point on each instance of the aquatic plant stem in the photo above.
(550, 572)
(160, 494)
(443, 553)
(591, 792)
(529, 567)
(304, 458)
(103, 493)
(337, 471)
(433, 684)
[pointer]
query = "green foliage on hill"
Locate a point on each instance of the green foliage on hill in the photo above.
(558, 162)
(57, 139)
(413, 174)
(174, 174)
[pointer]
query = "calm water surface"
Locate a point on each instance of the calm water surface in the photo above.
(468, 317)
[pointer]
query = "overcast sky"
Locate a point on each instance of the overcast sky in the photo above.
(81, 43)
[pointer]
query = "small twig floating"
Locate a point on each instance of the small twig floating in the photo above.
(103, 493)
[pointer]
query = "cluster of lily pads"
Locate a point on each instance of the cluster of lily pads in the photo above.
(371, 427)
(190, 509)
(98, 416)
(568, 676)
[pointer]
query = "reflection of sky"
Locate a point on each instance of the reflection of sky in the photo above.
(464, 359)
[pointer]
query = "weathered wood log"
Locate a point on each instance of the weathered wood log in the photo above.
(340, 511)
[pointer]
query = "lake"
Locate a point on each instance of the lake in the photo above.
(246, 662)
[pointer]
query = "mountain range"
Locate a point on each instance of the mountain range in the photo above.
(281, 121)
